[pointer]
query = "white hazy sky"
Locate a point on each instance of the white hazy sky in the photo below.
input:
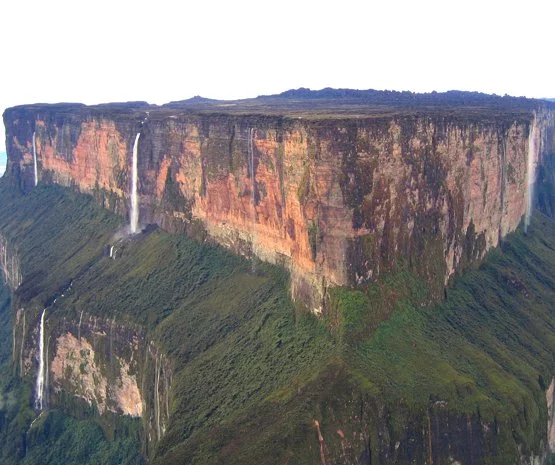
(163, 50)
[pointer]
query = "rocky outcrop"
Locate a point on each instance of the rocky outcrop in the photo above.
(336, 200)
(550, 396)
(9, 263)
(74, 367)
(437, 437)
(108, 365)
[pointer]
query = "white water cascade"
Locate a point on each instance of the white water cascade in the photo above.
(35, 160)
(134, 215)
(79, 326)
(530, 173)
(39, 394)
(157, 395)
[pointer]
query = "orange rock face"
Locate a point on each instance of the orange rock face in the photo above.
(112, 367)
(74, 364)
(94, 162)
(336, 201)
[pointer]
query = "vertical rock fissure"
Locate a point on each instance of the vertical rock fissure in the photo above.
(35, 159)
(530, 173)
(21, 346)
(13, 338)
(502, 182)
(253, 197)
(550, 399)
(9, 263)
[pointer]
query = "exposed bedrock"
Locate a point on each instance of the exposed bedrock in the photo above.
(336, 201)
(98, 364)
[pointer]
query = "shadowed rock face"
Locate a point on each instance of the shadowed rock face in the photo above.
(9, 264)
(74, 364)
(337, 200)
(110, 366)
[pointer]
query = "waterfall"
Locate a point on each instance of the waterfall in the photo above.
(134, 216)
(530, 173)
(46, 369)
(79, 327)
(39, 395)
(253, 199)
(21, 346)
(157, 394)
(35, 159)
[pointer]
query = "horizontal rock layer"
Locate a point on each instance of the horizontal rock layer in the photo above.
(338, 201)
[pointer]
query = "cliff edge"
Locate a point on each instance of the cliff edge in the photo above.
(338, 186)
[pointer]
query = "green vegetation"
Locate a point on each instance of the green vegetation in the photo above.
(57, 439)
(234, 337)
(303, 190)
(313, 239)
(251, 373)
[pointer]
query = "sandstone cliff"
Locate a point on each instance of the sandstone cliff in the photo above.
(99, 365)
(335, 199)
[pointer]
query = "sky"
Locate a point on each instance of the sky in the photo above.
(120, 50)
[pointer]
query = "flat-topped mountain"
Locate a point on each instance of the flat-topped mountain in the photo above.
(336, 185)
(389, 298)
(327, 102)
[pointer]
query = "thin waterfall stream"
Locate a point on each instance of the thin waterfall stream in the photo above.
(134, 215)
(39, 394)
(35, 159)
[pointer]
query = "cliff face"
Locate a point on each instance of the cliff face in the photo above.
(551, 416)
(336, 201)
(108, 366)
(9, 263)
